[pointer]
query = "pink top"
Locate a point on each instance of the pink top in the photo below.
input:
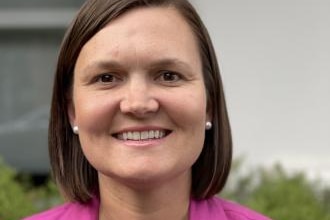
(210, 209)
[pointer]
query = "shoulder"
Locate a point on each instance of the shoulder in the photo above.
(216, 208)
(238, 212)
(68, 211)
(54, 213)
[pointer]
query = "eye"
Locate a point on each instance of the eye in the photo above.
(107, 78)
(169, 76)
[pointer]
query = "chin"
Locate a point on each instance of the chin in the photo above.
(145, 179)
(140, 180)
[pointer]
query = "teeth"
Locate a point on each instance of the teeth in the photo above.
(143, 135)
(156, 134)
(136, 135)
(129, 135)
(151, 134)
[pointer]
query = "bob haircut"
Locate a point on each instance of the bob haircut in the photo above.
(77, 179)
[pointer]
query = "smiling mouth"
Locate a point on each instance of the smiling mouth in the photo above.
(142, 135)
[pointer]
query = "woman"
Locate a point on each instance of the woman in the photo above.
(139, 127)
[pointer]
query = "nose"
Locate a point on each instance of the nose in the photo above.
(138, 100)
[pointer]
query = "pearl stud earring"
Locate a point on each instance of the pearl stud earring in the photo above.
(208, 125)
(75, 129)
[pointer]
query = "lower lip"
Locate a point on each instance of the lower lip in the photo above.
(143, 143)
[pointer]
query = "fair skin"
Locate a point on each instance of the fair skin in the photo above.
(140, 104)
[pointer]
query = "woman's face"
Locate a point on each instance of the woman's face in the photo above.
(139, 98)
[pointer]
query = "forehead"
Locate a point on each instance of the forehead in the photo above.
(153, 29)
(150, 18)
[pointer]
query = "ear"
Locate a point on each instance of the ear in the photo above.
(71, 113)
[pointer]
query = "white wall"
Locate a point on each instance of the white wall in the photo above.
(275, 62)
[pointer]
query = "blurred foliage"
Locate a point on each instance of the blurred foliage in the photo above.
(18, 198)
(271, 191)
(279, 195)
(13, 202)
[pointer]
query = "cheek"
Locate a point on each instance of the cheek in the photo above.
(188, 108)
(94, 113)
(188, 111)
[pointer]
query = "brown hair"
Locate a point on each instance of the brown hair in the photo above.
(76, 177)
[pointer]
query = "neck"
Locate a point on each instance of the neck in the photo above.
(161, 202)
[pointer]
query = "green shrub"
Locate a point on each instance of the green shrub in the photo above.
(19, 198)
(279, 195)
(13, 201)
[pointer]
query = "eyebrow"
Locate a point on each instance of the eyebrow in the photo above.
(102, 64)
(170, 62)
(112, 64)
